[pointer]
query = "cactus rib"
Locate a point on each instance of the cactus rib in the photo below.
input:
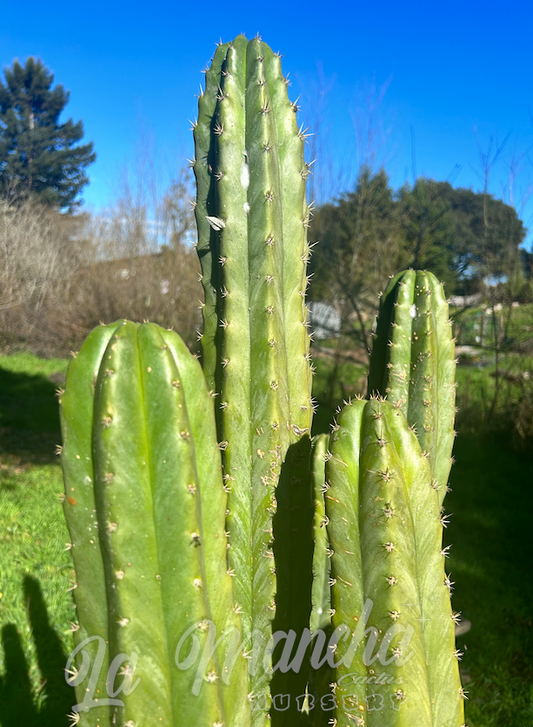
(413, 364)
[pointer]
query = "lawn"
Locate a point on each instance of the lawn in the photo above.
(36, 608)
(491, 502)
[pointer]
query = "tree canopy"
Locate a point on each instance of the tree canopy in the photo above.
(463, 237)
(39, 155)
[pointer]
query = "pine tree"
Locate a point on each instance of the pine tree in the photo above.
(38, 154)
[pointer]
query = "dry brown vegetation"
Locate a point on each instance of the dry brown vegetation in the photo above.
(60, 275)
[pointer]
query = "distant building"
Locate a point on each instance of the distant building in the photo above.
(325, 321)
(465, 301)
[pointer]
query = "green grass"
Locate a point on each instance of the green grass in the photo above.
(330, 391)
(35, 569)
(492, 502)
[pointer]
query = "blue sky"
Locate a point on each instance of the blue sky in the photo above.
(449, 68)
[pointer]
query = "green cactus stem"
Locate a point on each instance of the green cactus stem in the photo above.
(145, 508)
(413, 364)
(252, 219)
(320, 618)
(388, 578)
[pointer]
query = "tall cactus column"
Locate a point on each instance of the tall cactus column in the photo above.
(252, 217)
(389, 588)
(145, 507)
(413, 364)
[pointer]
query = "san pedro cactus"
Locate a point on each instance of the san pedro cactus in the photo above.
(195, 500)
(413, 364)
(145, 508)
(252, 217)
(396, 659)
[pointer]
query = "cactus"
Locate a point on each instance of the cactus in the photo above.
(385, 530)
(145, 509)
(190, 495)
(413, 364)
(252, 216)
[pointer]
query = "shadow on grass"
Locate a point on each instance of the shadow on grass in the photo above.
(18, 706)
(29, 417)
(492, 498)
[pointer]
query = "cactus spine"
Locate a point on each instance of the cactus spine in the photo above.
(252, 217)
(385, 530)
(145, 509)
(413, 364)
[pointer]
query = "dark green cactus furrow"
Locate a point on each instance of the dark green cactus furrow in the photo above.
(385, 531)
(413, 364)
(207, 245)
(159, 582)
(257, 213)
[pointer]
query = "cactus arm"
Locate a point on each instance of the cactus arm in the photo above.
(154, 454)
(262, 374)
(432, 390)
(321, 598)
(76, 409)
(385, 532)
(342, 512)
(413, 364)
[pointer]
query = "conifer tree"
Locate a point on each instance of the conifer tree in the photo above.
(39, 155)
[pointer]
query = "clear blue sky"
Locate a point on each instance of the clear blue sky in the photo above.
(450, 67)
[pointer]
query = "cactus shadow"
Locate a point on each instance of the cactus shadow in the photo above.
(292, 527)
(29, 417)
(18, 703)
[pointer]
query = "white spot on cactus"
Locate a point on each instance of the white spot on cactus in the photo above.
(197, 583)
(412, 311)
(211, 677)
(216, 223)
(245, 176)
(123, 621)
(246, 207)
